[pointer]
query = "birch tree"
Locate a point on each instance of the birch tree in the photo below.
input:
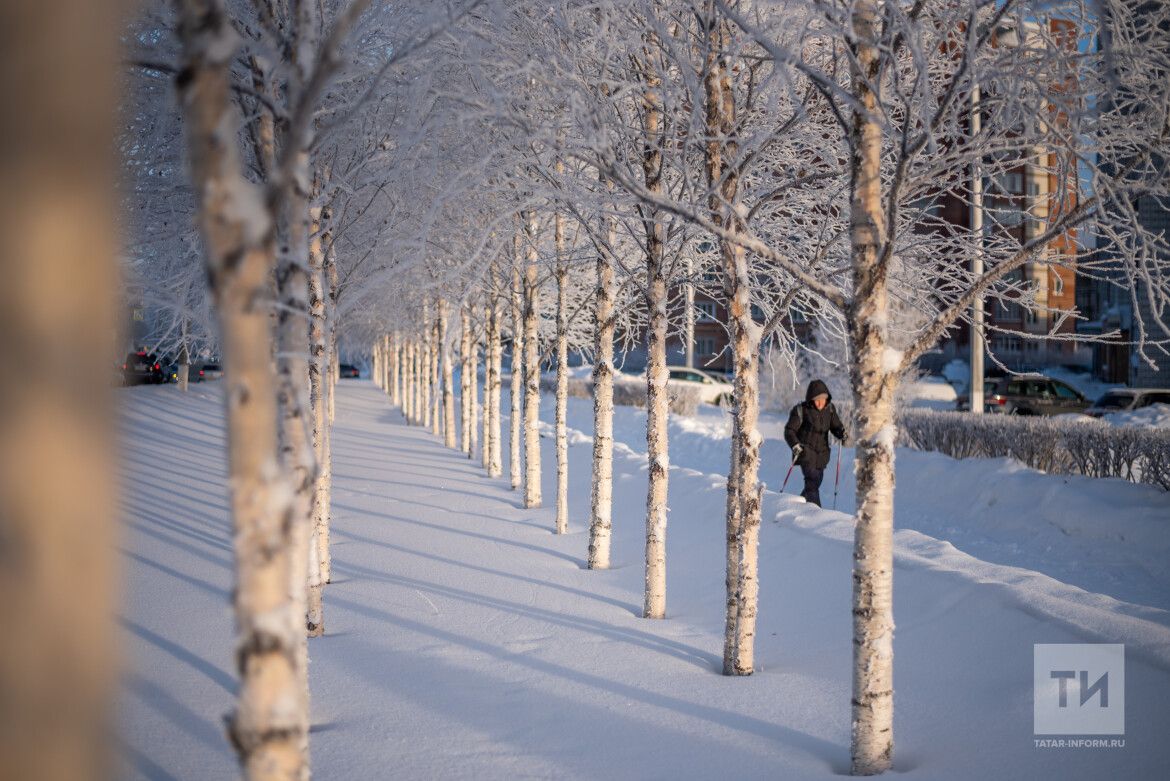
(58, 511)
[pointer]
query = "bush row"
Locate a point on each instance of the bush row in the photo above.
(1056, 446)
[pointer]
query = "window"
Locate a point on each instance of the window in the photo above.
(1156, 398)
(706, 311)
(711, 275)
(1037, 388)
(797, 316)
(1065, 392)
(704, 345)
(757, 313)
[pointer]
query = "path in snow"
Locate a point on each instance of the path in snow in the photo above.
(465, 640)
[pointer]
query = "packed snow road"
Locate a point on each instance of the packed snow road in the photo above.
(465, 640)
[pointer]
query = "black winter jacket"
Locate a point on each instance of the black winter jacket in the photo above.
(810, 427)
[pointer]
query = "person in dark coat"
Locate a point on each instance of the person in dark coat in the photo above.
(807, 433)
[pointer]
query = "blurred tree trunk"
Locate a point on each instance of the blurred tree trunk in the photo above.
(57, 460)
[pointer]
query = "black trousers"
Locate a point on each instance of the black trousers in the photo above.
(812, 483)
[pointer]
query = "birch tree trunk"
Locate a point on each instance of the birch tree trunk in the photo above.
(411, 388)
(532, 497)
(743, 503)
(657, 400)
(601, 500)
(407, 360)
(269, 726)
(562, 400)
(292, 367)
(396, 370)
(448, 379)
(437, 348)
(331, 285)
(485, 444)
(873, 389)
(386, 370)
(517, 372)
(464, 379)
(59, 518)
(491, 391)
(425, 371)
(377, 367)
(318, 381)
(474, 427)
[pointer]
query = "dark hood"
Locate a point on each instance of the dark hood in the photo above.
(816, 388)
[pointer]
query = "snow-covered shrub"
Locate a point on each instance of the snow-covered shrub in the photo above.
(1060, 446)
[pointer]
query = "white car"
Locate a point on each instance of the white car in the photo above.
(710, 389)
(1128, 400)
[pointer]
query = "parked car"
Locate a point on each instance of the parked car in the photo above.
(1028, 394)
(1128, 400)
(711, 390)
(208, 371)
(348, 370)
(142, 368)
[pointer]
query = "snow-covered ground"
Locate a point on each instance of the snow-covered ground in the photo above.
(465, 640)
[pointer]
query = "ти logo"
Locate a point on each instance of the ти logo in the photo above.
(1078, 689)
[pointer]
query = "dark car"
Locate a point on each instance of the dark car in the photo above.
(207, 371)
(348, 370)
(1128, 400)
(142, 368)
(1028, 394)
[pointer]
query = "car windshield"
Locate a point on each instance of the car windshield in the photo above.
(1114, 401)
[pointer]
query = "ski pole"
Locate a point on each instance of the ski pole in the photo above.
(837, 481)
(788, 475)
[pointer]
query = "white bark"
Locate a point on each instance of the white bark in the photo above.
(464, 392)
(743, 490)
(485, 441)
(448, 378)
(425, 374)
(269, 728)
(657, 401)
(601, 523)
(433, 376)
(562, 399)
(331, 285)
(517, 373)
(377, 358)
(532, 495)
(318, 379)
(396, 370)
(873, 386)
(407, 377)
(474, 396)
(492, 439)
